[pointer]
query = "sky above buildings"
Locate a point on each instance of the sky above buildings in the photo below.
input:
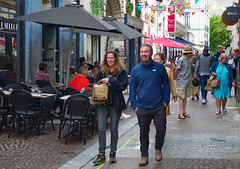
(217, 7)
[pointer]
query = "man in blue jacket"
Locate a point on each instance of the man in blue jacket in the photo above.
(217, 53)
(149, 96)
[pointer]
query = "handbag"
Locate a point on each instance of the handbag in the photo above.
(99, 94)
(216, 82)
(208, 86)
(195, 82)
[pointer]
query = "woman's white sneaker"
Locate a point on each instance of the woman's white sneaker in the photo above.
(218, 112)
(224, 110)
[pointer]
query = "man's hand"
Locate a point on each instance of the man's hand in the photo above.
(136, 110)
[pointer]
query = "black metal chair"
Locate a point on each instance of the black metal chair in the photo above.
(5, 111)
(27, 88)
(71, 91)
(4, 83)
(46, 105)
(42, 83)
(76, 108)
(24, 111)
(13, 86)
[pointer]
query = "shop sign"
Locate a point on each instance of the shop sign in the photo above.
(171, 19)
(233, 13)
(228, 21)
(133, 21)
(158, 8)
(7, 25)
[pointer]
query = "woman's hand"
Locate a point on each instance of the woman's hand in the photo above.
(105, 80)
(174, 98)
(233, 84)
(214, 74)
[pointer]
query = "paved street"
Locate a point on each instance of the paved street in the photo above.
(203, 141)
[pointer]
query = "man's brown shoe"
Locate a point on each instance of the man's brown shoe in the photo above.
(158, 155)
(144, 161)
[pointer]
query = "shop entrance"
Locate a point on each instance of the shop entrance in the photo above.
(8, 57)
(50, 52)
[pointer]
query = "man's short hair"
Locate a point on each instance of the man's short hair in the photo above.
(149, 46)
(83, 70)
(219, 47)
(42, 66)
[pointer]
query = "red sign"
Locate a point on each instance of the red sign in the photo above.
(171, 19)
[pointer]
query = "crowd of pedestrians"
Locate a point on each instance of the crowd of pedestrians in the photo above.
(151, 87)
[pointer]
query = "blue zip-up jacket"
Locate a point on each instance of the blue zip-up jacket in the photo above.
(229, 68)
(149, 85)
(216, 56)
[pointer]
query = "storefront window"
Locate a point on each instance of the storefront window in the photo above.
(8, 31)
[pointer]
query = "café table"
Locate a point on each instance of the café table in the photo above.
(37, 95)
(65, 97)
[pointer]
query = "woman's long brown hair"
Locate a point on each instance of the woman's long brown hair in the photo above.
(116, 67)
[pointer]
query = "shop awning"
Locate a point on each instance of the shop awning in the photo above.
(183, 42)
(198, 48)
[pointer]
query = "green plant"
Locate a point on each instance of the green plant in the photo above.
(129, 7)
(138, 13)
(97, 7)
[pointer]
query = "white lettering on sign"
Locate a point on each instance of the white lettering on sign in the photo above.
(232, 13)
(8, 26)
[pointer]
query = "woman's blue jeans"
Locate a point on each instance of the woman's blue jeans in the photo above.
(203, 83)
(103, 113)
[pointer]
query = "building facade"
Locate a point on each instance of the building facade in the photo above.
(197, 21)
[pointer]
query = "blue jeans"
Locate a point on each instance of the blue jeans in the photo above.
(145, 117)
(103, 113)
(203, 83)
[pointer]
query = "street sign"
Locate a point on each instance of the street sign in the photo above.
(233, 13)
(158, 8)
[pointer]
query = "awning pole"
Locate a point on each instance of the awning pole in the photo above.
(69, 58)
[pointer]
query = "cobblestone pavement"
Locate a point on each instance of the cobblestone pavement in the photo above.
(44, 151)
(203, 141)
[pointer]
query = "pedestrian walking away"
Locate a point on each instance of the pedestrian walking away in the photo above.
(114, 75)
(202, 70)
(149, 95)
(184, 74)
(223, 71)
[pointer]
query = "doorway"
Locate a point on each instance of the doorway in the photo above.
(50, 52)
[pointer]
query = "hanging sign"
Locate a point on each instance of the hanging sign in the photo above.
(233, 13)
(171, 19)
(228, 21)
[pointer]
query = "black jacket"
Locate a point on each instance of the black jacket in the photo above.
(116, 85)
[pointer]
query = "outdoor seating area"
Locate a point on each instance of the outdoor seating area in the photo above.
(28, 112)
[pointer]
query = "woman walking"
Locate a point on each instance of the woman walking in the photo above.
(113, 73)
(161, 58)
(223, 71)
